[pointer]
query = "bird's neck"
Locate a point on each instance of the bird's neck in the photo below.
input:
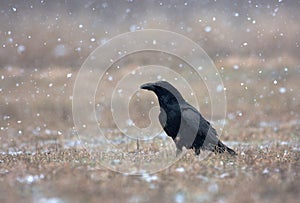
(166, 102)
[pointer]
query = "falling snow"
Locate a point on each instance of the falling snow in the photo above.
(44, 46)
(21, 49)
(207, 29)
(69, 75)
(282, 90)
(236, 67)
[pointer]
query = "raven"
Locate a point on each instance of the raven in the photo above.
(183, 122)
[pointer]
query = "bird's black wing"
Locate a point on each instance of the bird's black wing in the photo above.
(193, 121)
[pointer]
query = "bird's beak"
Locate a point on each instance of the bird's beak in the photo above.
(148, 86)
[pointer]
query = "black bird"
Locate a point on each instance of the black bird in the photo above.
(183, 122)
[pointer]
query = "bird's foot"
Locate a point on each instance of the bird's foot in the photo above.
(197, 152)
(178, 152)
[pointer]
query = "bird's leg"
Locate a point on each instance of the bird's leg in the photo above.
(178, 152)
(197, 151)
(178, 145)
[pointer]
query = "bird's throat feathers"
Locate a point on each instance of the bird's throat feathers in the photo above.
(168, 100)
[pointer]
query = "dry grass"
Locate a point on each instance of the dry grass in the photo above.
(39, 165)
(264, 175)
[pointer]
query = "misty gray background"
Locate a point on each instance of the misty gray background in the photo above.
(63, 33)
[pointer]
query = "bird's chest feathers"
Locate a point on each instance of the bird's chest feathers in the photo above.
(170, 119)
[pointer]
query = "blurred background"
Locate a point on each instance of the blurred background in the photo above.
(255, 46)
(39, 34)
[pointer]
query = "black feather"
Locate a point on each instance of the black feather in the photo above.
(183, 122)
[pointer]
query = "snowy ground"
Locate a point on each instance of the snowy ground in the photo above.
(42, 159)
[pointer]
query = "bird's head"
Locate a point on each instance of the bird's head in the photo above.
(149, 86)
(164, 90)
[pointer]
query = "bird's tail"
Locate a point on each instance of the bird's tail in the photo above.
(221, 148)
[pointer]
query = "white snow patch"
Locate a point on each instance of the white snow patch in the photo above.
(224, 175)
(149, 178)
(30, 178)
(265, 171)
(180, 169)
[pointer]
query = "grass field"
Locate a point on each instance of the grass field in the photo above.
(42, 160)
